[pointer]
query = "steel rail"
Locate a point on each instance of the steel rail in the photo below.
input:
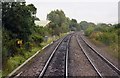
(67, 54)
(103, 58)
(99, 74)
(50, 58)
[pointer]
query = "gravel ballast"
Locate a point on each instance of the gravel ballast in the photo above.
(78, 63)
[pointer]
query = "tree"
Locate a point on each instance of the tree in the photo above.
(83, 25)
(73, 25)
(89, 30)
(18, 19)
(59, 22)
(17, 24)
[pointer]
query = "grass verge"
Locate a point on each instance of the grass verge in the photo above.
(111, 49)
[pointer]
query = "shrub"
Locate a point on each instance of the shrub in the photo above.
(26, 55)
(89, 30)
(12, 63)
(37, 39)
(28, 46)
(108, 38)
(104, 38)
(12, 47)
(95, 35)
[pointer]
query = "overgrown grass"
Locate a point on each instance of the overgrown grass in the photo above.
(111, 49)
(106, 39)
(103, 34)
(114, 50)
(17, 60)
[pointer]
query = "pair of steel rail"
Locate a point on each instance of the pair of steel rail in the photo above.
(52, 55)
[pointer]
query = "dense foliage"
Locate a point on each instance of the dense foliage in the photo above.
(20, 34)
(17, 26)
(59, 22)
(74, 25)
(107, 34)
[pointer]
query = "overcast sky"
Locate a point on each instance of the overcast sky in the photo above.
(97, 11)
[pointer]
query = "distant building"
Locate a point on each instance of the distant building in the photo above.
(42, 23)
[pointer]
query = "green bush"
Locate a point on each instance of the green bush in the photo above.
(12, 63)
(12, 47)
(108, 38)
(89, 30)
(26, 55)
(28, 46)
(37, 39)
(104, 38)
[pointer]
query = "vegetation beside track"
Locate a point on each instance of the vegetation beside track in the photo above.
(104, 35)
(17, 60)
(21, 38)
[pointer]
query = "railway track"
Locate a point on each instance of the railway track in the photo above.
(103, 67)
(57, 63)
